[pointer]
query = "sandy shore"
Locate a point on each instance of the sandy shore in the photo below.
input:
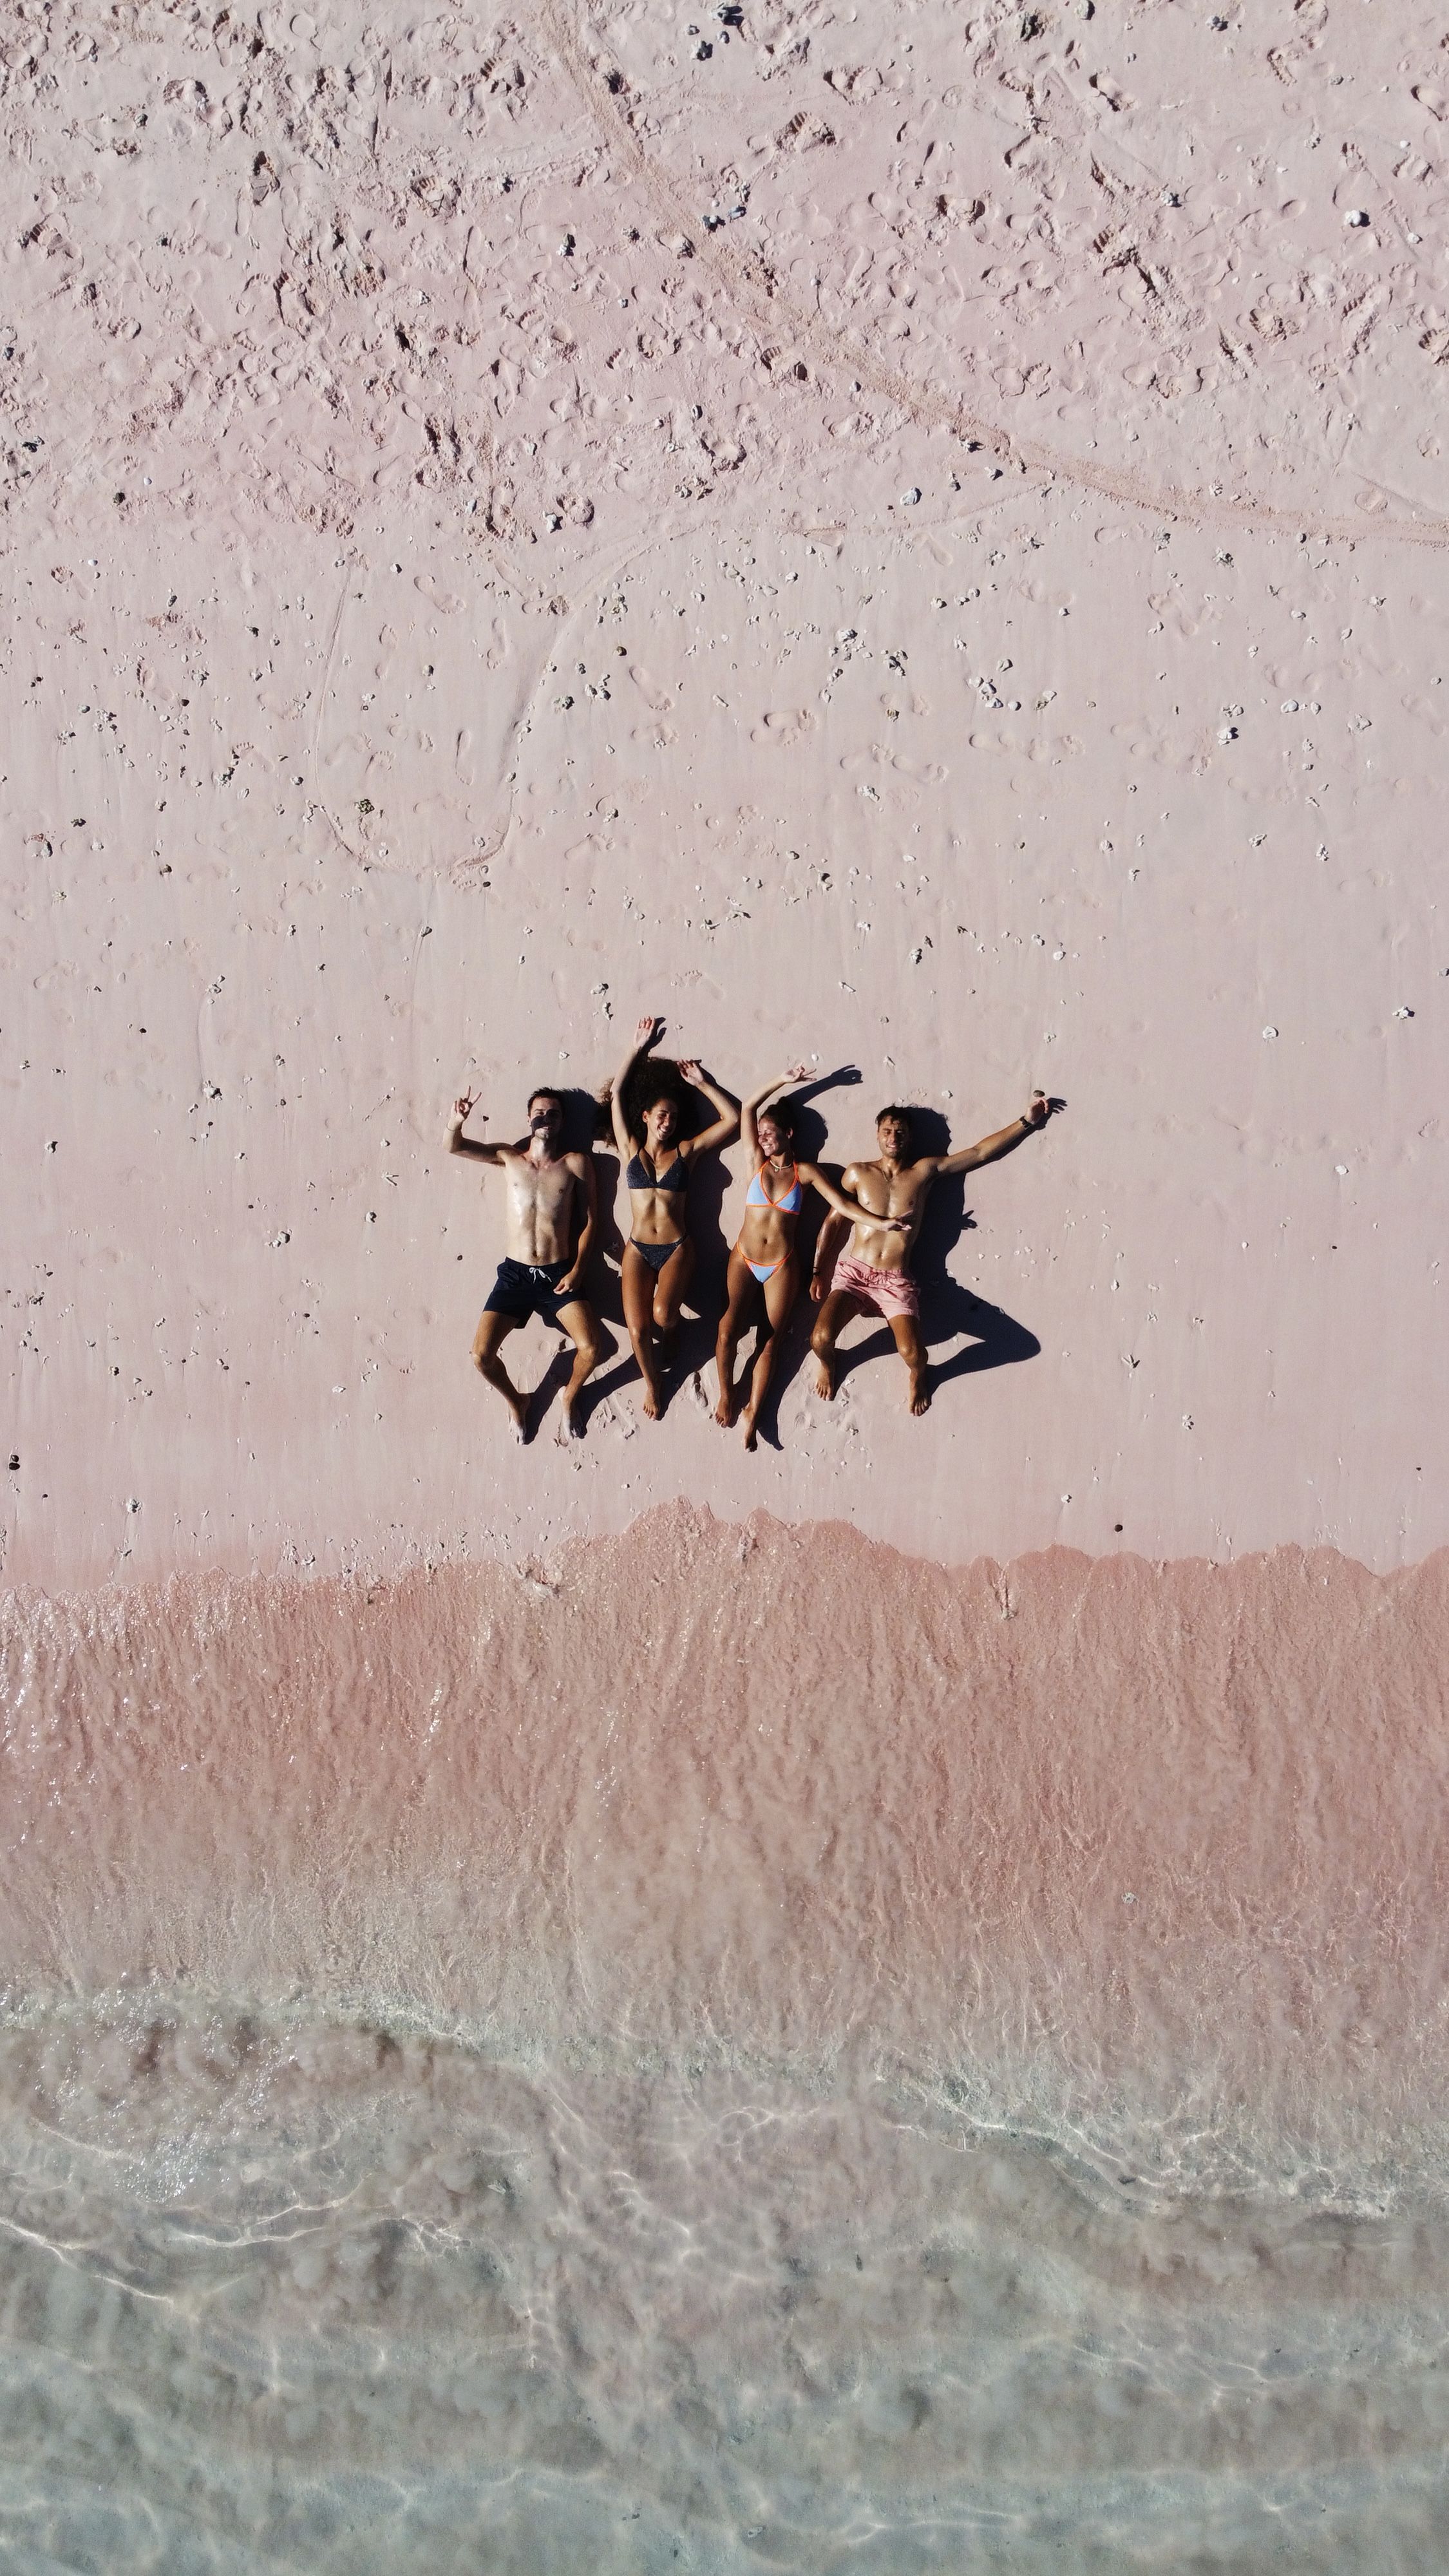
(1174, 1830)
(924, 552)
(624, 2003)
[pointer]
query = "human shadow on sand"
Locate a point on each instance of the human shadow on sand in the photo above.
(985, 1335)
(811, 1138)
(716, 1194)
(586, 1128)
(949, 1310)
(708, 1184)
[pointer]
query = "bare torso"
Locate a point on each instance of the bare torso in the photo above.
(658, 1215)
(541, 1205)
(768, 1233)
(899, 1194)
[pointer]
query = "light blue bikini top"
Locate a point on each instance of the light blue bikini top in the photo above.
(758, 1196)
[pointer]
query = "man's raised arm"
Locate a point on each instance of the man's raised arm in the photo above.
(1005, 1141)
(458, 1143)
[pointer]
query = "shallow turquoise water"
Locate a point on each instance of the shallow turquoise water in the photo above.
(288, 2295)
(484, 2086)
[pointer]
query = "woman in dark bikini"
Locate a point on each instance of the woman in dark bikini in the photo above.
(763, 1261)
(659, 1257)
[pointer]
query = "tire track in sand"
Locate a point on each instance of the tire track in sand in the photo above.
(747, 279)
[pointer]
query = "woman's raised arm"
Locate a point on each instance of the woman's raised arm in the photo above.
(757, 1100)
(723, 1102)
(841, 1204)
(647, 1034)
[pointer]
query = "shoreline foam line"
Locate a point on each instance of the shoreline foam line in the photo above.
(726, 1794)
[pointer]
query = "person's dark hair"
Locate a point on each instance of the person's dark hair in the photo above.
(545, 1091)
(782, 1113)
(653, 1078)
(893, 1109)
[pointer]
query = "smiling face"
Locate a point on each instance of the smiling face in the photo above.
(546, 1117)
(893, 1134)
(776, 1141)
(661, 1124)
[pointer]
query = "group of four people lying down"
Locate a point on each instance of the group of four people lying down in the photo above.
(551, 1192)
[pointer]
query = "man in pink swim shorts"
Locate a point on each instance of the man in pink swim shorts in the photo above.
(888, 1292)
(874, 1275)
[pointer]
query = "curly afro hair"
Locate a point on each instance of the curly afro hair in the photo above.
(655, 1077)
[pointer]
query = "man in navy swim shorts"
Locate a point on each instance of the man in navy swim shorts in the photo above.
(550, 1192)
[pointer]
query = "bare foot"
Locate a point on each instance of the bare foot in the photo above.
(748, 1419)
(919, 1396)
(724, 1412)
(824, 1379)
(572, 1419)
(651, 1404)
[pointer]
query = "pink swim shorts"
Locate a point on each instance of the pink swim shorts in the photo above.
(890, 1292)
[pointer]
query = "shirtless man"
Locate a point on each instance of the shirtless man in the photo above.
(539, 1275)
(874, 1275)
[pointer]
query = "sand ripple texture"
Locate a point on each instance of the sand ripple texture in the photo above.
(492, 2081)
(580, 265)
(915, 539)
(916, 547)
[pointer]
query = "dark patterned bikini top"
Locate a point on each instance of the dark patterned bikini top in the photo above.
(637, 1177)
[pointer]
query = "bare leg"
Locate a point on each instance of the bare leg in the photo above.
(491, 1331)
(913, 1351)
(781, 1289)
(837, 1310)
(669, 1289)
(637, 1281)
(731, 1324)
(582, 1327)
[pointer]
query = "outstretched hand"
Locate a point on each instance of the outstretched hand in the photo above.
(463, 1105)
(649, 1030)
(691, 1068)
(797, 1073)
(1040, 1108)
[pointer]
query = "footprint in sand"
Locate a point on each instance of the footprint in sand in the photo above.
(659, 700)
(447, 602)
(784, 727)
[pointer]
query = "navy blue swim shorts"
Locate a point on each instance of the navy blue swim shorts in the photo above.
(524, 1288)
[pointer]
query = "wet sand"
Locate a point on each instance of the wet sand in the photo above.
(766, 1797)
(627, 2004)
(730, 2046)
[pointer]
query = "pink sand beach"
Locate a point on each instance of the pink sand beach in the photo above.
(623, 2002)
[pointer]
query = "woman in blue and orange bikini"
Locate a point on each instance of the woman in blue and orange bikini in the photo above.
(763, 1263)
